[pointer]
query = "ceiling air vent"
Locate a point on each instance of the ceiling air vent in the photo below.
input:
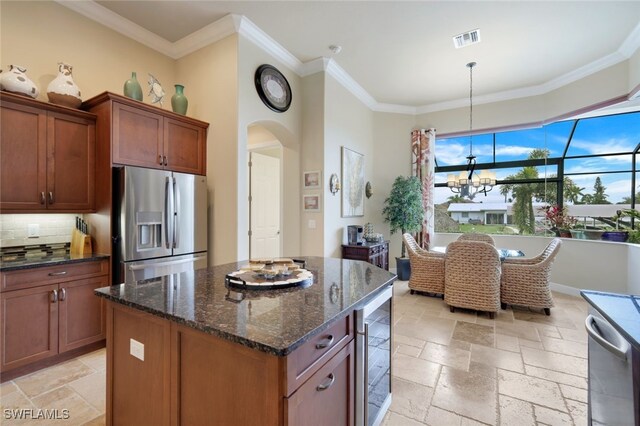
(465, 39)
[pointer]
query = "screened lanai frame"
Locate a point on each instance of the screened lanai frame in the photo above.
(558, 161)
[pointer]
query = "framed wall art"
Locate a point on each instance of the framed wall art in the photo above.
(352, 183)
(311, 203)
(311, 180)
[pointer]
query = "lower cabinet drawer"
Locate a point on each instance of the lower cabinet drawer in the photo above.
(25, 278)
(306, 359)
(327, 398)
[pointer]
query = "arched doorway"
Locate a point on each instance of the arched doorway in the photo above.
(265, 193)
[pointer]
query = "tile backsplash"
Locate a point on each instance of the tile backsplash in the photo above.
(51, 228)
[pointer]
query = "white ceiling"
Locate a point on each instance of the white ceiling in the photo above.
(401, 53)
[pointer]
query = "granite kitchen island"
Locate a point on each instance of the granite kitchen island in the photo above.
(188, 349)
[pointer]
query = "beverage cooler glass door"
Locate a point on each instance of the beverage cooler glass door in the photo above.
(373, 359)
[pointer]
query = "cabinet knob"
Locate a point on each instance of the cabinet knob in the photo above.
(54, 296)
(325, 344)
(42, 198)
(327, 385)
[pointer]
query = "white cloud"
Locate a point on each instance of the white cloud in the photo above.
(607, 146)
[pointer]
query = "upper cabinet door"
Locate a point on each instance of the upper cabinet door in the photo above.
(23, 151)
(137, 137)
(71, 157)
(184, 147)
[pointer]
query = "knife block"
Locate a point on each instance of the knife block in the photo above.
(80, 243)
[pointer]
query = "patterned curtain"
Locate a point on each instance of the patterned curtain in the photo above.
(422, 162)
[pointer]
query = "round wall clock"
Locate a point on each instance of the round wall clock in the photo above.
(273, 88)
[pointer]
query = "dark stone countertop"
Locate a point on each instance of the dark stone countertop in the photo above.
(621, 310)
(272, 321)
(47, 260)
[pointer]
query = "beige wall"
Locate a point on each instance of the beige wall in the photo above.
(392, 158)
(210, 77)
(286, 127)
(38, 35)
(313, 107)
(347, 123)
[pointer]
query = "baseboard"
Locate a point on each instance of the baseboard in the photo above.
(565, 289)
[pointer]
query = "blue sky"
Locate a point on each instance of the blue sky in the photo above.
(593, 136)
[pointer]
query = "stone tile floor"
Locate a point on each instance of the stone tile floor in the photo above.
(522, 368)
(77, 385)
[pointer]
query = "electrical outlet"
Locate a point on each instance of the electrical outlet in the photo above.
(33, 230)
(311, 224)
(136, 349)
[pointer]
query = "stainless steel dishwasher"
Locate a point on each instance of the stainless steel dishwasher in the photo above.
(611, 391)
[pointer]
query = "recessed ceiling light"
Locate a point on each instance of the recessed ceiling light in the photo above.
(335, 48)
(466, 39)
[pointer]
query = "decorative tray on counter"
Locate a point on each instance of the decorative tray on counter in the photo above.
(267, 274)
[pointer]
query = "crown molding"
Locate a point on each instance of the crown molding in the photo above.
(261, 39)
(337, 72)
(631, 44)
(109, 19)
(223, 27)
(314, 66)
(240, 24)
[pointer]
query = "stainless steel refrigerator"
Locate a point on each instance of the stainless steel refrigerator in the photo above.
(160, 223)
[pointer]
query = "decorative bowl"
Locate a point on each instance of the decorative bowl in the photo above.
(593, 234)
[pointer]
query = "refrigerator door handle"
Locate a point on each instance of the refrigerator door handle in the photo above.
(618, 348)
(176, 222)
(168, 214)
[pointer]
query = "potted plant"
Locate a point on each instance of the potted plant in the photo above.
(621, 235)
(403, 211)
(561, 222)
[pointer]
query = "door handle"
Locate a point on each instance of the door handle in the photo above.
(176, 209)
(42, 198)
(160, 159)
(57, 274)
(50, 197)
(619, 348)
(167, 233)
(166, 163)
(326, 386)
(54, 296)
(63, 294)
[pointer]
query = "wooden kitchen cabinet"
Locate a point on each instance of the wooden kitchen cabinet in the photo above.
(47, 157)
(190, 377)
(146, 136)
(331, 386)
(48, 311)
(374, 253)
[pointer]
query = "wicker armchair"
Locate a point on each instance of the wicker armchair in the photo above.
(525, 282)
(427, 268)
(485, 238)
(472, 276)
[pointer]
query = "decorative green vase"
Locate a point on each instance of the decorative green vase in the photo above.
(179, 101)
(132, 88)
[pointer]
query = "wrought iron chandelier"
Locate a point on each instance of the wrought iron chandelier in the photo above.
(468, 183)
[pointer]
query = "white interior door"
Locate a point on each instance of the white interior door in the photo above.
(265, 206)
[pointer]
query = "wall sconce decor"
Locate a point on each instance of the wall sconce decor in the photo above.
(368, 191)
(334, 184)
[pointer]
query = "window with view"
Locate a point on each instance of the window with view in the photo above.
(587, 167)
